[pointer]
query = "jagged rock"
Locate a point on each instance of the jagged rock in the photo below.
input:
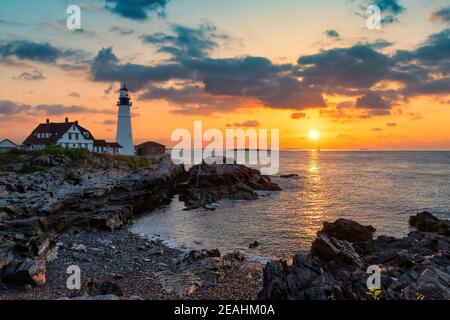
(340, 252)
(361, 237)
(414, 267)
(209, 183)
(425, 221)
(24, 272)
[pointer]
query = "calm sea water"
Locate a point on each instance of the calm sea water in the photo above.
(378, 188)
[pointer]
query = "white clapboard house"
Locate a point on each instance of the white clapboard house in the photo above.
(68, 135)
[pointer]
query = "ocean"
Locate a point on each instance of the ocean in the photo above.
(380, 188)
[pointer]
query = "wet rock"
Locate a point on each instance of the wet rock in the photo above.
(289, 176)
(425, 221)
(209, 183)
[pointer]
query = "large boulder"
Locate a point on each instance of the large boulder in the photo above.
(425, 221)
(361, 237)
(212, 182)
(24, 272)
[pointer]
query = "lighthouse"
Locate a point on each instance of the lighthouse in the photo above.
(124, 135)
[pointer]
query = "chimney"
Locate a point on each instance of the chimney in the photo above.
(76, 122)
(48, 121)
(67, 120)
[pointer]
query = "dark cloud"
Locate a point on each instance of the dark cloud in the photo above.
(390, 9)
(245, 124)
(40, 52)
(195, 82)
(190, 42)
(375, 102)
(434, 51)
(136, 9)
(74, 94)
(59, 109)
(109, 122)
(121, 31)
(442, 14)
(30, 76)
(10, 107)
(376, 129)
(360, 66)
(28, 50)
(106, 67)
(332, 34)
(391, 124)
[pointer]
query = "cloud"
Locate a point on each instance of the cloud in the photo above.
(245, 124)
(390, 9)
(376, 129)
(442, 15)
(375, 102)
(106, 67)
(332, 34)
(298, 115)
(28, 50)
(190, 42)
(74, 94)
(136, 9)
(30, 76)
(10, 107)
(121, 31)
(193, 81)
(59, 109)
(391, 124)
(40, 52)
(109, 122)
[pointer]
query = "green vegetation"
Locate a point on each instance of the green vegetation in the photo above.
(74, 154)
(24, 156)
(135, 163)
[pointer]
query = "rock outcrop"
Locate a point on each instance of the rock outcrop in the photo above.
(64, 195)
(414, 267)
(209, 183)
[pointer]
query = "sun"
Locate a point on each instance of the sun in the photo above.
(314, 135)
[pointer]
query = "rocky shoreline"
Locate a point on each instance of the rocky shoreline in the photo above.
(416, 267)
(58, 211)
(47, 198)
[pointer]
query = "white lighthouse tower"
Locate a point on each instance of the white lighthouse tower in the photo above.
(124, 135)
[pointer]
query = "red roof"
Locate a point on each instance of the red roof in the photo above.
(57, 130)
(150, 143)
(114, 145)
(100, 143)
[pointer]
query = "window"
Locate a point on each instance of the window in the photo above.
(67, 145)
(76, 136)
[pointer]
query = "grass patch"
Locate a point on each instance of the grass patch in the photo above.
(30, 169)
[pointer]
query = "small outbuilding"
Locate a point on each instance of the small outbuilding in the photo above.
(7, 145)
(150, 148)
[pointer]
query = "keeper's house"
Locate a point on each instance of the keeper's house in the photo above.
(68, 135)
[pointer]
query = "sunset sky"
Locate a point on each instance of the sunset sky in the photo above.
(293, 65)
